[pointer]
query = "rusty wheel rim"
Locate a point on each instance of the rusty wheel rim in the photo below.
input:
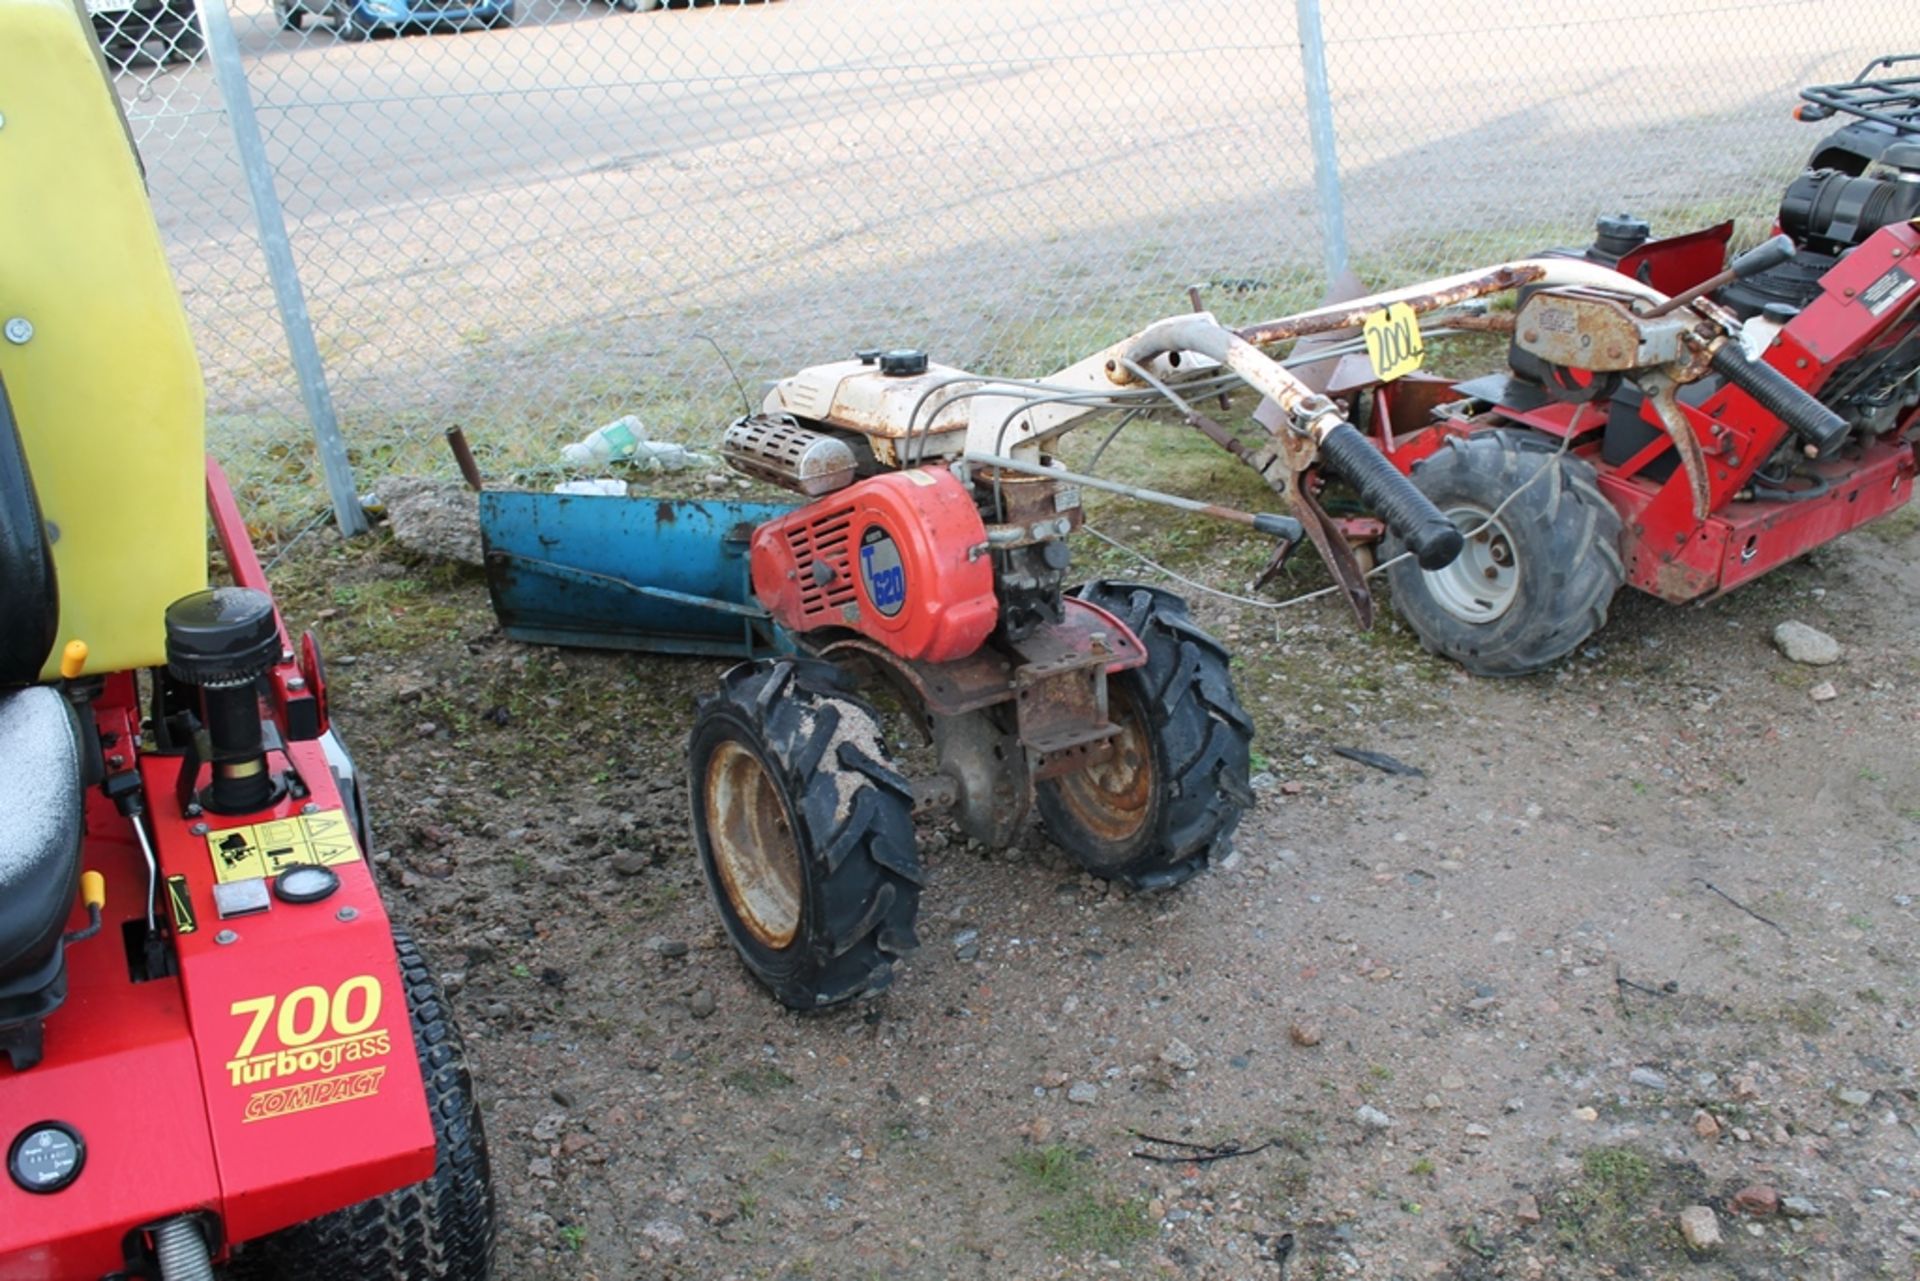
(753, 845)
(1113, 800)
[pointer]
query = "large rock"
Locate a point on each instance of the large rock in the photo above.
(1700, 1226)
(1804, 644)
(432, 517)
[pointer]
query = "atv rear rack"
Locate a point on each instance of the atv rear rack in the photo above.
(1890, 101)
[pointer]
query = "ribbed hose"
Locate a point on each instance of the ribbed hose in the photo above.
(1430, 536)
(182, 1252)
(1781, 397)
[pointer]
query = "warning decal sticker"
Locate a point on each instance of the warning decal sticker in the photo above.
(1886, 291)
(263, 849)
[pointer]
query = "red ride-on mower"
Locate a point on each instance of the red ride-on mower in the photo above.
(217, 1057)
(1682, 427)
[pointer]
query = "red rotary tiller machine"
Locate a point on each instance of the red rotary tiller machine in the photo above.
(1681, 429)
(216, 1055)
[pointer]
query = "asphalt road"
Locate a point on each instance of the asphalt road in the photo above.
(530, 223)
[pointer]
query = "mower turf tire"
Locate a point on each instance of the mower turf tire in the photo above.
(441, 1229)
(786, 733)
(1169, 800)
(1560, 535)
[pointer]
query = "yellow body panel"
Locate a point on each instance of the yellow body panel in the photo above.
(107, 390)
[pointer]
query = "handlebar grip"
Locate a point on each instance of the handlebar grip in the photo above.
(1764, 256)
(1409, 513)
(1781, 397)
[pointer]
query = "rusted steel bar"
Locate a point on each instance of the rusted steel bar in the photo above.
(463, 455)
(1449, 292)
(1500, 322)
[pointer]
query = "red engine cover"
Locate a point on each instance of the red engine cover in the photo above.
(887, 557)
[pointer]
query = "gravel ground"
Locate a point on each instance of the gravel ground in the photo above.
(1641, 939)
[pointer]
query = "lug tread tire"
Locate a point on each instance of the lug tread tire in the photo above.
(441, 1229)
(1566, 526)
(1202, 738)
(860, 872)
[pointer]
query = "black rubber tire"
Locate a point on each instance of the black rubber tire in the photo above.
(1201, 750)
(848, 813)
(441, 1229)
(1565, 539)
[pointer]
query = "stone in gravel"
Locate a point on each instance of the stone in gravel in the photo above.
(1648, 1078)
(1431, 1103)
(540, 1167)
(1052, 1080)
(1758, 1200)
(1453, 1081)
(1478, 1132)
(555, 872)
(1180, 1055)
(1854, 1098)
(1700, 1227)
(664, 1233)
(1824, 692)
(1804, 644)
(1705, 1125)
(1528, 1211)
(661, 945)
(425, 729)
(702, 1005)
(1084, 1093)
(1305, 1033)
(630, 864)
(1514, 1104)
(548, 1127)
(1368, 1117)
(1586, 1114)
(1798, 1207)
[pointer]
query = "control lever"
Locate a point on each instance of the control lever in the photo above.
(1762, 257)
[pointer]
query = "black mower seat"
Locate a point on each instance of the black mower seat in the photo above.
(40, 826)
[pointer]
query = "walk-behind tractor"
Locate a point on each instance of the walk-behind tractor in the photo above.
(931, 558)
(217, 1052)
(1682, 427)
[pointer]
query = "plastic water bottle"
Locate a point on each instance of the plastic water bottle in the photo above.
(618, 439)
(664, 455)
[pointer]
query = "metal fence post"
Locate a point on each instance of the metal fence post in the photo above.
(1326, 153)
(224, 48)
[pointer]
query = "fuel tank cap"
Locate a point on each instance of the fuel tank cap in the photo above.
(903, 362)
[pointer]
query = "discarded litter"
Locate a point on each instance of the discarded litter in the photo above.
(625, 440)
(1380, 761)
(605, 488)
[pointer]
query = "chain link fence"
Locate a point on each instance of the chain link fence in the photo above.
(540, 215)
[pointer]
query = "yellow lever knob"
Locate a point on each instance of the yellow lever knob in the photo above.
(93, 889)
(73, 659)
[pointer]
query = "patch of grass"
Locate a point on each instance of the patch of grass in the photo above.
(1601, 1213)
(573, 1237)
(1809, 1015)
(759, 1080)
(1896, 527)
(1077, 1211)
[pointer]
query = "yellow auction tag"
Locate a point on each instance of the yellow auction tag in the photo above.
(1393, 342)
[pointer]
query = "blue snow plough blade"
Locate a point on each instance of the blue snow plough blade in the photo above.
(666, 575)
